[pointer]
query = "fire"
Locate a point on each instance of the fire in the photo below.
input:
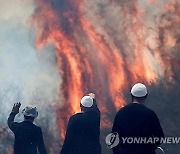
(98, 56)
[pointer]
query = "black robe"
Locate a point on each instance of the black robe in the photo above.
(136, 120)
(82, 135)
(28, 137)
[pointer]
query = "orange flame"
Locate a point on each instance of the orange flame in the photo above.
(91, 59)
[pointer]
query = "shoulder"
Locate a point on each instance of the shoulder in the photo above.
(37, 128)
(74, 119)
(76, 116)
(150, 111)
(153, 115)
(126, 107)
(137, 107)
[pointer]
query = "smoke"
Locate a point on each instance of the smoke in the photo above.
(138, 28)
(101, 46)
(105, 46)
(26, 75)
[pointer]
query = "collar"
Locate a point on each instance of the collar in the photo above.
(136, 103)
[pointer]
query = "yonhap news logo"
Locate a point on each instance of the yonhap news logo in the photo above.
(150, 140)
(113, 140)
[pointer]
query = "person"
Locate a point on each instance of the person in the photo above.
(28, 136)
(137, 121)
(83, 130)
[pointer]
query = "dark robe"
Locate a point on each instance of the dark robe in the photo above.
(136, 120)
(82, 135)
(28, 137)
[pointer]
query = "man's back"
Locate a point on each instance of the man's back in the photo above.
(87, 127)
(136, 120)
(28, 137)
(82, 136)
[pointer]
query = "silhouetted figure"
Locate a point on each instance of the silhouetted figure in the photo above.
(28, 137)
(136, 120)
(82, 135)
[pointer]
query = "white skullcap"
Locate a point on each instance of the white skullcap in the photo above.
(139, 90)
(30, 112)
(87, 101)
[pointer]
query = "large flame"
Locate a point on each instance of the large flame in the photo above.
(106, 46)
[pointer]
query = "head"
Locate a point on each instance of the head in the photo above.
(86, 104)
(139, 93)
(30, 113)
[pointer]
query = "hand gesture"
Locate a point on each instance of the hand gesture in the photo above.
(16, 107)
(92, 95)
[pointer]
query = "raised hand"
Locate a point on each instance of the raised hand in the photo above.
(92, 95)
(16, 107)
